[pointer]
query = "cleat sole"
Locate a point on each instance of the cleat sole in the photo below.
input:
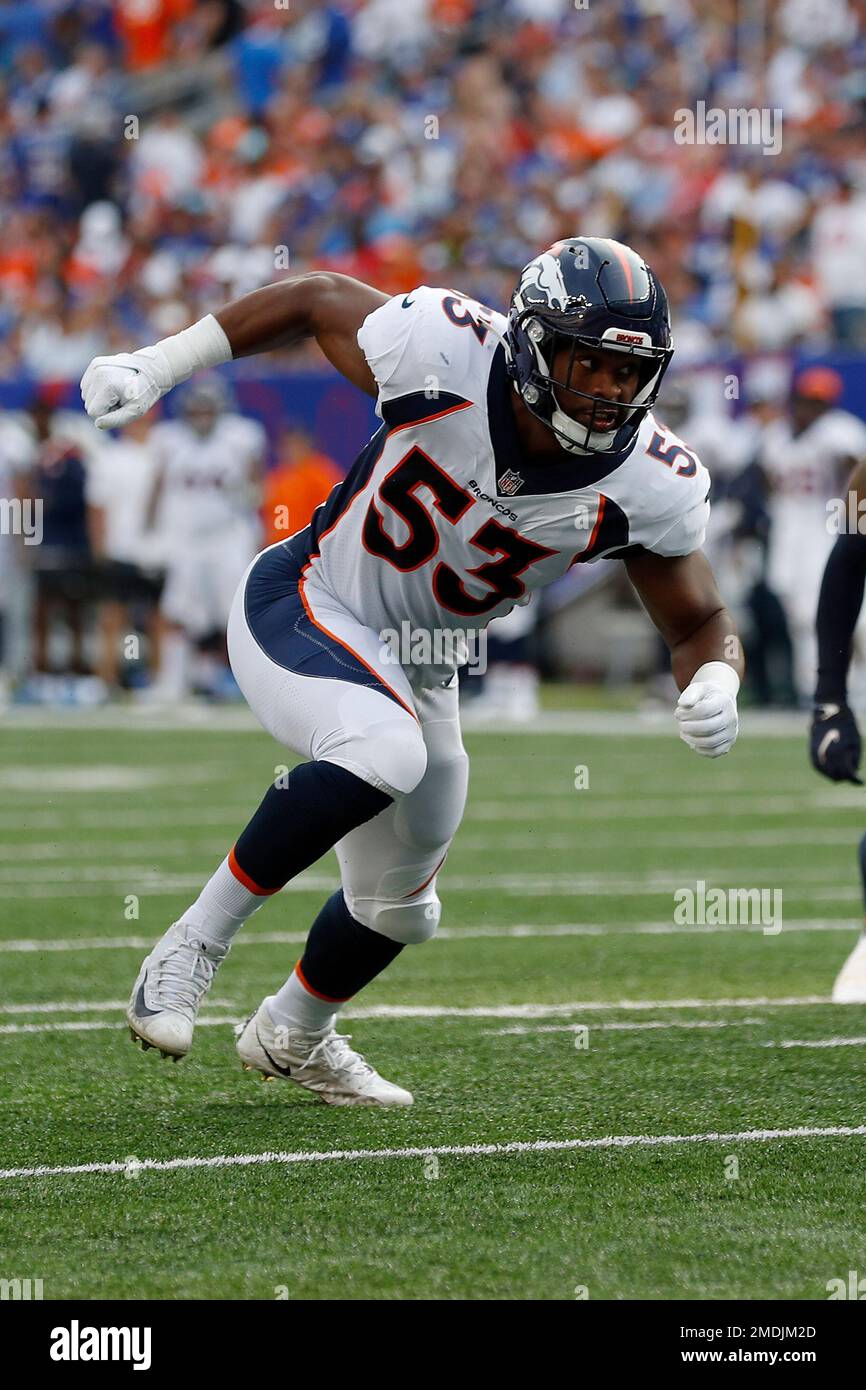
(146, 1046)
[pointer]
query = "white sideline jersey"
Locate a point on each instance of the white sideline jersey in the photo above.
(810, 466)
(806, 470)
(206, 480)
(443, 521)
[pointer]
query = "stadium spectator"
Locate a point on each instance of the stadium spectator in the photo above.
(302, 478)
(839, 258)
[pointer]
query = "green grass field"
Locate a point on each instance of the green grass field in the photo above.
(561, 1004)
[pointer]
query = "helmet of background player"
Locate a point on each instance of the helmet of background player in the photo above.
(587, 293)
(204, 401)
(815, 391)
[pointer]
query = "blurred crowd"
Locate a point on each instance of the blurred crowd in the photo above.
(160, 156)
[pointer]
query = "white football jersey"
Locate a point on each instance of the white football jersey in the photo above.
(119, 481)
(205, 479)
(443, 521)
(810, 466)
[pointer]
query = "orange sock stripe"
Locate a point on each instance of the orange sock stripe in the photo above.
(246, 880)
(309, 988)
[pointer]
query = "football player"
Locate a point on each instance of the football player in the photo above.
(834, 737)
(208, 469)
(805, 460)
(511, 448)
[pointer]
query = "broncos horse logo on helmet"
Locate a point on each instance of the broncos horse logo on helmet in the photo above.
(587, 293)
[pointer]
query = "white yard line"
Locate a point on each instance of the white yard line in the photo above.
(232, 815)
(637, 809)
(819, 1042)
(99, 1026)
(647, 1026)
(581, 842)
(385, 1012)
(585, 1006)
(120, 819)
(99, 1006)
(528, 930)
(132, 1166)
(658, 879)
(78, 851)
(205, 719)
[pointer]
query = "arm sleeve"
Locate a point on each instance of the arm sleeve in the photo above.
(838, 610)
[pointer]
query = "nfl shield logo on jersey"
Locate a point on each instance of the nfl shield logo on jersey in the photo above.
(510, 483)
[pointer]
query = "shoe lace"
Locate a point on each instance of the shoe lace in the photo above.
(185, 973)
(334, 1051)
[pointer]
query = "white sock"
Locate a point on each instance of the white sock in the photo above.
(295, 1006)
(222, 906)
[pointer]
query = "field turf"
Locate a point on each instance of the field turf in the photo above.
(563, 1016)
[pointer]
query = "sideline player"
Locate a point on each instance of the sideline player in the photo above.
(208, 467)
(806, 459)
(510, 449)
(834, 737)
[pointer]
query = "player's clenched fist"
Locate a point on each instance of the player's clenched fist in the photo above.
(118, 389)
(707, 710)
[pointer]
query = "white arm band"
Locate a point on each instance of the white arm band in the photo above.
(195, 348)
(718, 673)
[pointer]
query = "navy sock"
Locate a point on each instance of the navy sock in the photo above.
(341, 955)
(298, 823)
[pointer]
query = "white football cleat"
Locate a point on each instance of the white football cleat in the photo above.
(171, 984)
(850, 984)
(321, 1062)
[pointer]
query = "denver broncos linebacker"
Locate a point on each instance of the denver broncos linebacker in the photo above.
(510, 448)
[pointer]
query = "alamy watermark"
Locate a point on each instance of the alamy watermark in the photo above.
(22, 516)
(20, 1290)
(443, 647)
(737, 125)
(717, 907)
(846, 516)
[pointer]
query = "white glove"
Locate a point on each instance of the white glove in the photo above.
(116, 390)
(707, 710)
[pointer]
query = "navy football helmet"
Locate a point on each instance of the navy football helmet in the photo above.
(588, 292)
